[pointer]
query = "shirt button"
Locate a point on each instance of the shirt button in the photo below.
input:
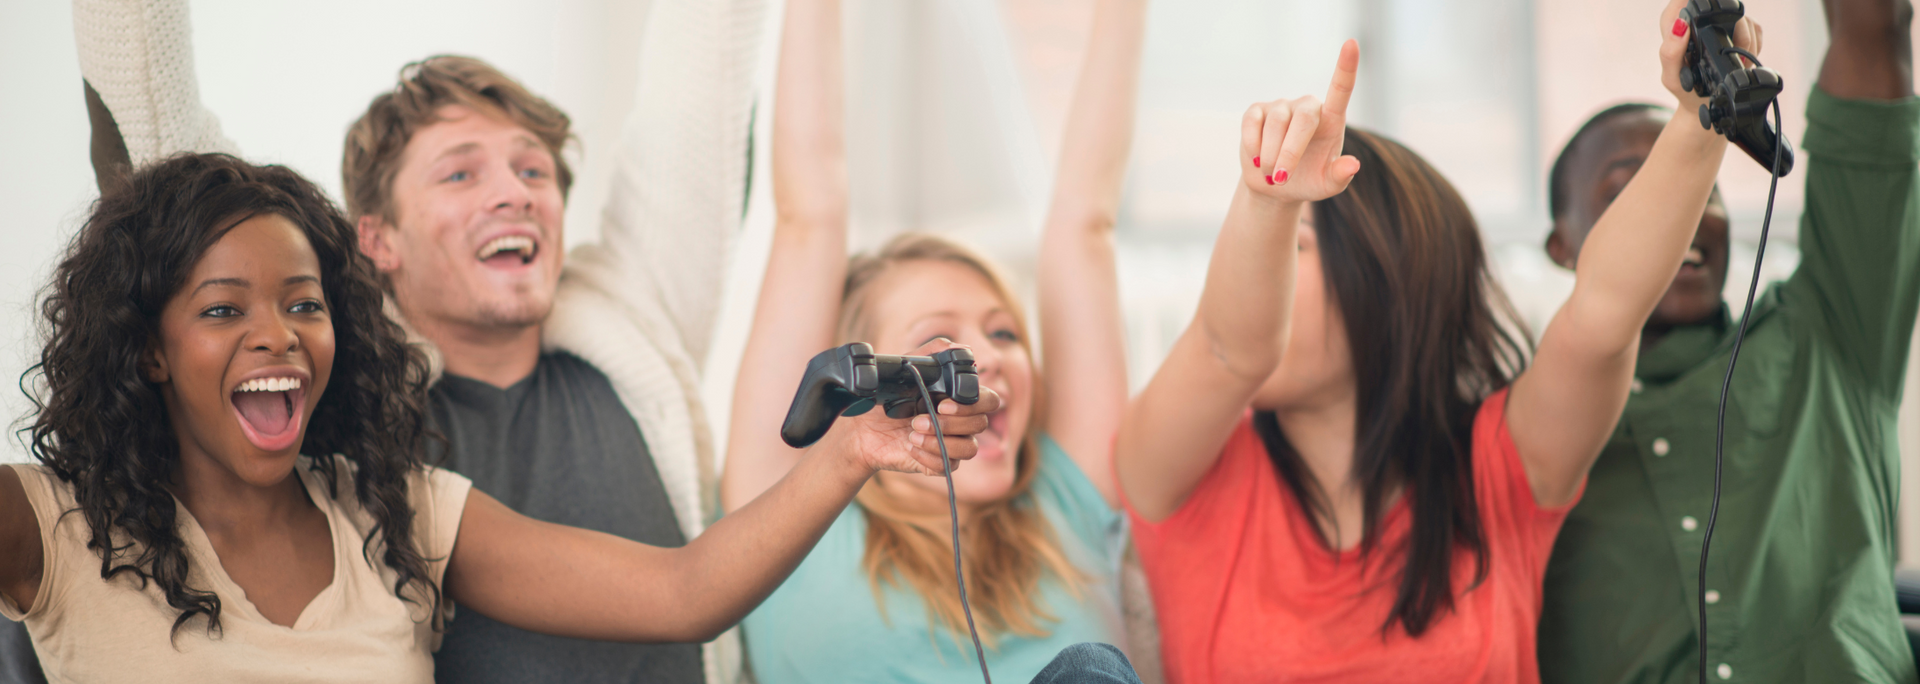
(1661, 447)
(1725, 671)
(1637, 386)
(1713, 596)
(1688, 523)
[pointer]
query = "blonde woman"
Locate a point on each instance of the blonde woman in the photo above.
(1041, 532)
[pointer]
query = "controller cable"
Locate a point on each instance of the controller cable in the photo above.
(953, 512)
(1746, 313)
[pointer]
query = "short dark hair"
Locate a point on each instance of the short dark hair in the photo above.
(1557, 178)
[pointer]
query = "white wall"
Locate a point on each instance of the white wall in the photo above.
(286, 80)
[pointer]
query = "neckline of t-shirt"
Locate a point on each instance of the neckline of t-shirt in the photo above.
(1306, 532)
(232, 595)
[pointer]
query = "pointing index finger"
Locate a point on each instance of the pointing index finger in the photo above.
(1345, 72)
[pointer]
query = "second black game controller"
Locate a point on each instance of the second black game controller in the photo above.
(1737, 94)
(850, 380)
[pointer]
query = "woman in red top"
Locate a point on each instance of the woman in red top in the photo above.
(1340, 472)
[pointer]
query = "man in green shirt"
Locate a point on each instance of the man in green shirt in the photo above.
(1800, 582)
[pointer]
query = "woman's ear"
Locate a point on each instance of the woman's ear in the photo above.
(153, 364)
(1557, 247)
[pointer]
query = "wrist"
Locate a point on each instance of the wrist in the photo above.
(842, 456)
(1267, 206)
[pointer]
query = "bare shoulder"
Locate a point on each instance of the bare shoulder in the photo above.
(19, 541)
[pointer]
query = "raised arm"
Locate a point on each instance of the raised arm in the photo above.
(1290, 154)
(1860, 233)
(800, 296)
(1869, 50)
(572, 582)
(678, 190)
(137, 59)
(1563, 408)
(1081, 333)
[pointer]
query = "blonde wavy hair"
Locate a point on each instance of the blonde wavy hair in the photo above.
(1009, 546)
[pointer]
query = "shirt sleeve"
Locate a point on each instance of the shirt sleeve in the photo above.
(138, 54)
(439, 498)
(678, 190)
(1859, 275)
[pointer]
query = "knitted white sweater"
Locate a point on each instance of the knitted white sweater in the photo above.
(641, 304)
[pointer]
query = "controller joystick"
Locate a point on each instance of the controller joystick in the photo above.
(1737, 95)
(850, 380)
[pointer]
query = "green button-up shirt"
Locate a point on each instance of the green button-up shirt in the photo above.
(1800, 581)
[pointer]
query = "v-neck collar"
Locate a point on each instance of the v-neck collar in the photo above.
(232, 596)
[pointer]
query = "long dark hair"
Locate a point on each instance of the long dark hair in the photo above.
(101, 426)
(1403, 262)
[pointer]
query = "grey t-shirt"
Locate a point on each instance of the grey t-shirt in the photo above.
(557, 446)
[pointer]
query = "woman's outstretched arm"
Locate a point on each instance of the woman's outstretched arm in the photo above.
(577, 583)
(1080, 324)
(800, 296)
(1290, 154)
(1563, 408)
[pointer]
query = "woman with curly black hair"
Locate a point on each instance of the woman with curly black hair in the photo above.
(230, 485)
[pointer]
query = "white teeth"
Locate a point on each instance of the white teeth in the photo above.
(269, 385)
(505, 243)
(1695, 257)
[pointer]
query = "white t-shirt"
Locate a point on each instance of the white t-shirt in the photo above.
(86, 629)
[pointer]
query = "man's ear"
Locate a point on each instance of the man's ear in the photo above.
(376, 242)
(1557, 247)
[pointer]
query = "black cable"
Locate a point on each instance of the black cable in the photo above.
(953, 512)
(1720, 426)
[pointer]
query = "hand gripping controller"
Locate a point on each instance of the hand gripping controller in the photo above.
(1737, 95)
(850, 380)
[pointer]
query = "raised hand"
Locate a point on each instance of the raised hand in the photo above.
(1673, 50)
(908, 445)
(1290, 149)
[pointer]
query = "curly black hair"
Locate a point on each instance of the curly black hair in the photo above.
(101, 426)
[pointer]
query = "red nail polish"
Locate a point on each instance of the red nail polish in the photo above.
(1256, 162)
(1279, 176)
(1679, 27)
(1269, 179)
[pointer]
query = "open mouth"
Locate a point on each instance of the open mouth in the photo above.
(992, 441)
(508, 250)
(269, 411)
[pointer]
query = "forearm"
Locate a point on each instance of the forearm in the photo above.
(809, 141)
(1869, 50)
(1248, 296)
(1633, 251)
(582, 584)
(1099, 130)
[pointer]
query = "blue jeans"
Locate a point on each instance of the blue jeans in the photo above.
(1088, 664)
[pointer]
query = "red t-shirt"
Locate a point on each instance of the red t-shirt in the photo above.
(1247, 591)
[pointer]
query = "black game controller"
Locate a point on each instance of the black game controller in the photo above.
(1737, 95)
(850, 380)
